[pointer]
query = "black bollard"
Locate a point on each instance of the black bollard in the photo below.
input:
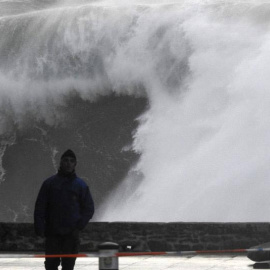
(261, 265)
(107, 259)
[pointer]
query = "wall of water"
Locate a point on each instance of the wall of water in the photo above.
(202, 66)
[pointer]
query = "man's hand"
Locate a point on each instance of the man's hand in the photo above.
(75, 234)
(41, 234)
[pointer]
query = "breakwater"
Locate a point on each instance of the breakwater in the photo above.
(146, 236)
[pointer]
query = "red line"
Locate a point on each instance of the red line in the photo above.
(222, 251)
(122, 254)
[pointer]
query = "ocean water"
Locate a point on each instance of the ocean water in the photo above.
(166, 104)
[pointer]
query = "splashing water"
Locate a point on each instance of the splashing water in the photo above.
(203, 65)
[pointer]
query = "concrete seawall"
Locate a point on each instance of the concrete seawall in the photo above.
(146, 236)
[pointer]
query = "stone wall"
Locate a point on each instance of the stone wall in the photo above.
(146, 236)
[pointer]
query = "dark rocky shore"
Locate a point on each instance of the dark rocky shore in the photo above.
(136, 236)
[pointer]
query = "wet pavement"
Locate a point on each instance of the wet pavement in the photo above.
(202, 262)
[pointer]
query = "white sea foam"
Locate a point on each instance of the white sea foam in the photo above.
(203, 65)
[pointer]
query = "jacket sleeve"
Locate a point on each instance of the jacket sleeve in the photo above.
(87, 208)
(41, 210)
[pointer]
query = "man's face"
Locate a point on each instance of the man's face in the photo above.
(68, 164)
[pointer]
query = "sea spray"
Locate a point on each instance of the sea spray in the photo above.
(203, 148)
(202, 65)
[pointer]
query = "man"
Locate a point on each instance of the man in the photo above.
(63, 208)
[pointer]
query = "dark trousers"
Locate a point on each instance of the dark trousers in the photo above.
(61, 244)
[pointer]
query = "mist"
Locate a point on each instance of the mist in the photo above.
(202, 66)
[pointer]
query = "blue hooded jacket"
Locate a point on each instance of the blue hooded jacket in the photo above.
(64, 204)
